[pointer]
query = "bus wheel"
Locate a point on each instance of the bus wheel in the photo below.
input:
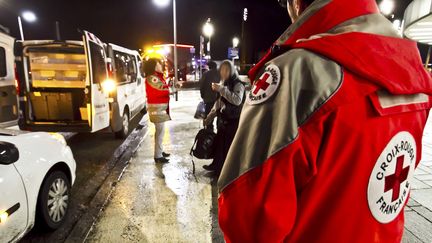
(123, 133)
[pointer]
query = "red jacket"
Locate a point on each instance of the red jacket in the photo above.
(331, 133)
(157, 89)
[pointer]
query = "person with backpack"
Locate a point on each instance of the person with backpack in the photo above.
(208, 95)
(158, 97)
(227, 109)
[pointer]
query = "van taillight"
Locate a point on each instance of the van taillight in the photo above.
(110, 70)
(17, 81)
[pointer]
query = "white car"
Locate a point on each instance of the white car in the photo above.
(37, 171)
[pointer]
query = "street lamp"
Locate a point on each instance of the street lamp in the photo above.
(161, 3)
(387, 7)
(28, 16)
(236, 42)
(208, 31)
(165, 3)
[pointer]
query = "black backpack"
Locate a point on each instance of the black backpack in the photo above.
(203, 145)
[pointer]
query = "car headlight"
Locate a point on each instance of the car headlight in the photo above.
(58, 137)
(109, 86)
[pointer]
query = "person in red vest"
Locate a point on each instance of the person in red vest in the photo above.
(331, 132)
(158, 97)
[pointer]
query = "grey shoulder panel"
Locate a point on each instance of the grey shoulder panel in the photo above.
(307, 82)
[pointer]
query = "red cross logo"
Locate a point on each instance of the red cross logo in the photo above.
(262, 84)
(393, 182)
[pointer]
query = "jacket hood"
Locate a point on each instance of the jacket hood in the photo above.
(234, 74)
(355, 35)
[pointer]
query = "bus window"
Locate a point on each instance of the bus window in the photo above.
(3, 66)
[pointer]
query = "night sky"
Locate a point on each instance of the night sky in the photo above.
(139, 23)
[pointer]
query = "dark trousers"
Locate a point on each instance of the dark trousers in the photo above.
(224, 138)
(208, 107)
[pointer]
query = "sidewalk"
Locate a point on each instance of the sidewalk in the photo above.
(418, 214)
(163, 203)
(167, 203)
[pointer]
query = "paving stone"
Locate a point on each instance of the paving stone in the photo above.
(425, 167)
(417, 184)
(424, 197)
(427, 177)
(413, 203)
(428, 183)
(424, 212)
(409, 237)
(418, 226)
(420, 171)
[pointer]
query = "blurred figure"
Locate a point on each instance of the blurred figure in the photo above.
(208, 95)
(331, 132)
(227, 109)
(158, 97)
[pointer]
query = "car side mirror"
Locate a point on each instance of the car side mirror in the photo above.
(9, 153)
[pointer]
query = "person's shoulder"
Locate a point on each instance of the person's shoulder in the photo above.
(301, 57)
(292, 73)
(153, 79)
(299, 64)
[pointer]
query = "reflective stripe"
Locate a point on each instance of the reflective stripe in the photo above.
(388, 100)
(308, 81)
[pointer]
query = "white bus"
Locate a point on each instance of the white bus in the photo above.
(8, 93)
(65, 86)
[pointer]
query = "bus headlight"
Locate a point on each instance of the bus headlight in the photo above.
(109, 86)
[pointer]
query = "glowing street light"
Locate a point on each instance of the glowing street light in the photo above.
(28, 16)
(161, 3)
(165, 3)
(208, 29)
(236, 42)
(387, 7)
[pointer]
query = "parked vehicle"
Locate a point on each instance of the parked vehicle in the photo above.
(128, 98)
(8, 93)
(37, 171)
(66, 87)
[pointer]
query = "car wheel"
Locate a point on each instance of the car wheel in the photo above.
(53, 201)
(125, 127)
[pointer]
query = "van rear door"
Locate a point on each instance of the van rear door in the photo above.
(8, 95)
(98, 110)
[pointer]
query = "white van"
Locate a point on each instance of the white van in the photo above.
(65, 87)
(129, 97)
(8, 92)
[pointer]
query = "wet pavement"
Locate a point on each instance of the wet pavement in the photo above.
(168, 203)
(95, 158)
(418, 214)
(163, 203)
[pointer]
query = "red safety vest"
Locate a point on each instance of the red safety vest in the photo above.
(157, 89)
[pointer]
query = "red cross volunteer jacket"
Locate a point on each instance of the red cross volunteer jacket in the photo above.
(158, 97)
(331, 132)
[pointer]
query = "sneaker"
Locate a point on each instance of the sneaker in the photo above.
(166, 155)
(161, 160)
